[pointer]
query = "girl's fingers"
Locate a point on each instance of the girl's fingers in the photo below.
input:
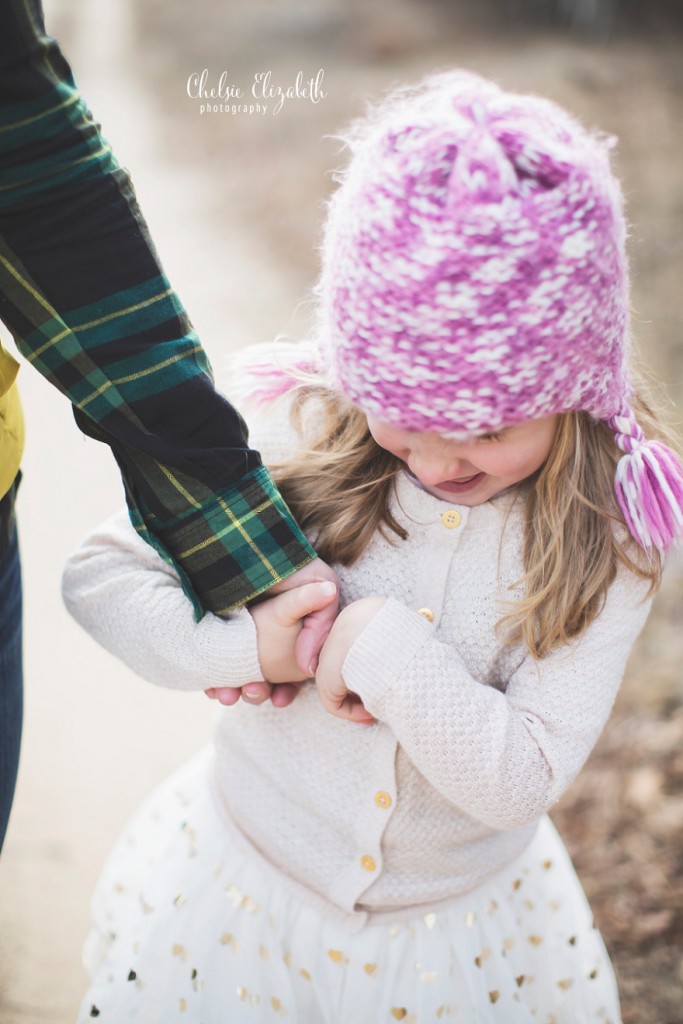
(355, 712)
(313, 635)
(350, 707)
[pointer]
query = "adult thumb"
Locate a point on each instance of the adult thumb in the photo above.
(294, 605)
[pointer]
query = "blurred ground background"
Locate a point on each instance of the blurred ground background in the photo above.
(235, 203)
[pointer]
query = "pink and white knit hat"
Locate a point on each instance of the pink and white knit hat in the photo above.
(474, 277)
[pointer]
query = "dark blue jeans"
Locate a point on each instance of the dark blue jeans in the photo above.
(11, 677)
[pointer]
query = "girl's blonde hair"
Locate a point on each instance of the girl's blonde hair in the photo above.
(339, 488)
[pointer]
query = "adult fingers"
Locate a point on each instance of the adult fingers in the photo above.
(294, 605)
(256, 693)
(227, 695)
(284, 694)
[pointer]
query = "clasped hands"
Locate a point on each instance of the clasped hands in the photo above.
(300, 636)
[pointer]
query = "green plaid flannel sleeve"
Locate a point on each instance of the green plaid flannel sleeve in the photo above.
(84, 295)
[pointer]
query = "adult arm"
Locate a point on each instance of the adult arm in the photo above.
(503, 758)
(86, 300)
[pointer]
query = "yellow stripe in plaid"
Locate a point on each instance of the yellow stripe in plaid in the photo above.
(236, 524)
(97, 323)
(43, 113)
(179, 487)
(138, 376)
(106, 149)
(29, 288)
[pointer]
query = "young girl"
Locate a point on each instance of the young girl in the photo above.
(378, 850)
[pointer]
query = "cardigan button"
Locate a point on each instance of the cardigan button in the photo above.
(368, 863)
(427, 613)
(382, 799)
(451, 518)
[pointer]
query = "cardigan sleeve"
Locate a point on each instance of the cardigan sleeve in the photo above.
(129, 600)
(85, 297)
(502, 758)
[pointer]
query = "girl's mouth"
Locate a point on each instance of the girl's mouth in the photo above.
(461, 486)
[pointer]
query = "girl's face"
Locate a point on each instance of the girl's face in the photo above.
(472, 471)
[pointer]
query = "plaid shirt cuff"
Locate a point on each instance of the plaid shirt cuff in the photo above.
(234, 547)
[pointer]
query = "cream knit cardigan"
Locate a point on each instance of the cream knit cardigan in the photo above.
(474, 740)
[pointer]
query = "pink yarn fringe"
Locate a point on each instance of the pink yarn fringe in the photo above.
(266, 372)
(649, 486)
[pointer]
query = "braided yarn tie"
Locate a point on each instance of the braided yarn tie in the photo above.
(648, 485)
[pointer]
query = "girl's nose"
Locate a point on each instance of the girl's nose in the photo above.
(432, 470)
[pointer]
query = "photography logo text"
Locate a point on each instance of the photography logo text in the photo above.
(261, 96)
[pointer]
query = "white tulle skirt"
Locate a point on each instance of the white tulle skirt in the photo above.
(187, 930)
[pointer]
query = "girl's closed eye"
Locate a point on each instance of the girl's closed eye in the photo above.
(492, 436)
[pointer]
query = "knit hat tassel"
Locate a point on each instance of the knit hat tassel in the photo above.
(649, 486)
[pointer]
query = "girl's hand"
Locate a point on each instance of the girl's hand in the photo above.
(334, 694)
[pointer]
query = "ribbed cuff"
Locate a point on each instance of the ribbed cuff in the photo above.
(382, 651)
(228, 650)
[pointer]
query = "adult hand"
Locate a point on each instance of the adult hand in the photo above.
(318, 624)
(334, 693)
(279, 621)
(281, 694)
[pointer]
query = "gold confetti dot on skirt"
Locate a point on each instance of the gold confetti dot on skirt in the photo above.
(369, 968)
(484, 955)
(335, 955)
(398, 1012)
(494, 995)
